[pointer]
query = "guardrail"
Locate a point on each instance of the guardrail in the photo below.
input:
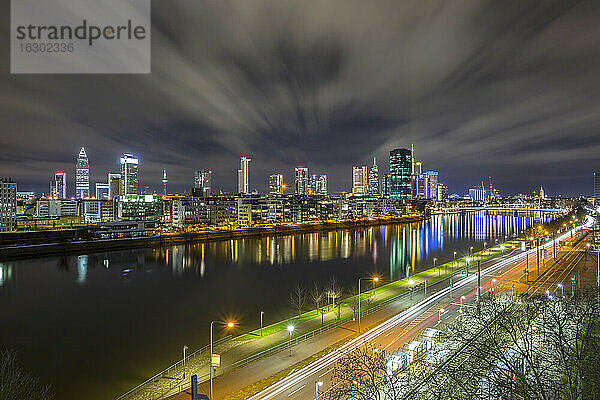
(308, 335)
(179, 384)
(171, 370)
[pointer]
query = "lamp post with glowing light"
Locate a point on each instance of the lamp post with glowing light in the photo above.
(410, 287)
(562, 289)
(210, 359)
(440, 315)
(461, 302)
(492, 287)
(317, 385)
(184, 349)
(374, 280)
(261, 322)
(290, 329)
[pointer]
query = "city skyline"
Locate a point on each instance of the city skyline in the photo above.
(370, 180)
(477, 98)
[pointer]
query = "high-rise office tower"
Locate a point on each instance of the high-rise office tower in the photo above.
(359, 179)
(597, 188)
(430, 185)
(302, 180)
(202, 182)
(82, 175)
(322, 184)
(8, 205)
(129, 174)
(374, 178)
(314, 183)
(386, 184)
(102, 190)
(276, 184)
(58, 186)
(401, 174)
(164, 182)
(114, 185)
(442, 192)
(243, 182)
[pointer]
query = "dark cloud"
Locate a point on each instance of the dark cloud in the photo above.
(502, 88)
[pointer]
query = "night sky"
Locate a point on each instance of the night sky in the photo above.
(502, 88)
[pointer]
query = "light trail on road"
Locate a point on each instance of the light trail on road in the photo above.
(314, 371)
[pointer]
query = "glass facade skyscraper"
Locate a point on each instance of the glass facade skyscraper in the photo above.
(129, 174)
(58, 186)
(374, 186)
(302, 180)
(401, 174)
(243, 179)
(202, 182)
(82, 175)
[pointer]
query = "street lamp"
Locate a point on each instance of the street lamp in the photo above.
(210, 357)
(493, 281)
(461, 302)
(440, 315)
(411, 283)
(261, 322)
(374, 279)
(562, 289)
(184, 349)
(290, 329)
(317, 385)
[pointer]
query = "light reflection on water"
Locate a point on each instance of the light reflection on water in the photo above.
(406, 246)
(112, 319)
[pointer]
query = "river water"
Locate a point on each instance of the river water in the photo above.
(95, 325)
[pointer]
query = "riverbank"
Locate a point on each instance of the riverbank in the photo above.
(101, 245)
(252, 346)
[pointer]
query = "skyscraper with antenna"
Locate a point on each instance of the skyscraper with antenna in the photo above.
(164, 182)
(82, 175)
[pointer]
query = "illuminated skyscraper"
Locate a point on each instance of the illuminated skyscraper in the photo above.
(164, 182)
(276, 184)
(430, 185)
(243, 182)
(102, 190)
(129, 174)
(82, 175)
(114, 185)
(302, 180)
(322, 184)
(386, 184)
(359, 179)
(58, 186)
(374, 187)
(401, 170)
(202, 182)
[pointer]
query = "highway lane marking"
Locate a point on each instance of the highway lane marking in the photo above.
(297, 390)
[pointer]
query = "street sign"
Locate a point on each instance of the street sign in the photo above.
(216, 360)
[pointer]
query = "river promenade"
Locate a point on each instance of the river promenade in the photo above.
(326, 328)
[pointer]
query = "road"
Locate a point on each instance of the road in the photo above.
(395, 332)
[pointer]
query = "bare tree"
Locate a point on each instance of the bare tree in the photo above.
(298, 299)
(534, 349)
(362, 374)
(316, 296)
(18, 384)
